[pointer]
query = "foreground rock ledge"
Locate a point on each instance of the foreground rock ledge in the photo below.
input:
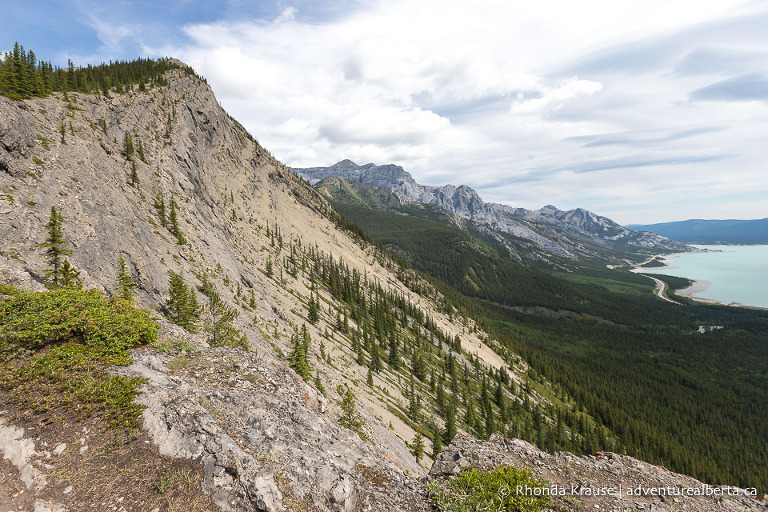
(583, 483)
(262, 436)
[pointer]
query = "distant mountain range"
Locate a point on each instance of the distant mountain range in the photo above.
(700, 231)
(528, 234)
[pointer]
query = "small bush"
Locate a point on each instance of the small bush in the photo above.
(35, 320)
(56, 346)
(492, 491)
(173, 346)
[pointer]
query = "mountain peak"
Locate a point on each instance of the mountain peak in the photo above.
(559, 233)
(345, 164)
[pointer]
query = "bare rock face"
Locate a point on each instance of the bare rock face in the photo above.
(16, 138)
(262, 436)
(606, 481)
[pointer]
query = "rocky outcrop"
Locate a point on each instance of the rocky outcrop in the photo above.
(606, 481)
(569, 234)
(263, 436)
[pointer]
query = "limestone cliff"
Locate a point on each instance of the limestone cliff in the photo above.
(248, 227)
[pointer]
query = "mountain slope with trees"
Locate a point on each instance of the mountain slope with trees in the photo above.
(582, 326)
(153, 193)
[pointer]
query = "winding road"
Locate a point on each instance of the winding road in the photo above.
(661, 287)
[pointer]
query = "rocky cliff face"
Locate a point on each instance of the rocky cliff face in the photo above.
(239, 211)
(570, 234)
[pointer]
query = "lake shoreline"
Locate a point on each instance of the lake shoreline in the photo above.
(724, 272)
(697, 286)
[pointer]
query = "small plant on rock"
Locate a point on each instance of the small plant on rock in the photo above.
(493, 490)
(350, 418)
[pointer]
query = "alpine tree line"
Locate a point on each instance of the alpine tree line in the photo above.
(22, 75)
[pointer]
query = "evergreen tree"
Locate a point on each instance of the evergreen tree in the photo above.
(418, 366)
(22, 75)
(414, 403)
(133, 177)
(128, 150)
(299, 356)
(221, 332)
(349, 418)
(470, 418)
(394, 352)
(182, 306)
(450, 425)
(440, 398)
(313, 315)
(125, 283)
(437, 443)
(375, 357)
(159, 204)
(490, 422)
(319, 384)
(55, 247)
(417, 446)
(142, 156)
(174, 224)
(69, 276)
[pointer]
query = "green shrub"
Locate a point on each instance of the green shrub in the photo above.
(492, 491)
(35, 320)
(6, 289)
(55, 348)
(173, 346)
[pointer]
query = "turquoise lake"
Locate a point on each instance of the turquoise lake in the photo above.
(735, 273)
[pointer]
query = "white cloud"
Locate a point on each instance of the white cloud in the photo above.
(495, 94)
(552, 98)
(286, 14)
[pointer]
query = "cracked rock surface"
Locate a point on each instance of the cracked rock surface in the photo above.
(262, 437)
(585, 481)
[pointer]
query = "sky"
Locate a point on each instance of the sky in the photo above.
(640, 110)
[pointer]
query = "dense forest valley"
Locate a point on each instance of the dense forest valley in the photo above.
(638, 364)
(593, 360)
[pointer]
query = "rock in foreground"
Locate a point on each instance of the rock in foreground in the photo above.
(607, 481)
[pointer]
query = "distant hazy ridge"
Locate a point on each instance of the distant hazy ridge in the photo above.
(700, 231)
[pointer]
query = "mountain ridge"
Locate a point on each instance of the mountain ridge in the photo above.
(571, 234)
(712, 232)
(163, 177)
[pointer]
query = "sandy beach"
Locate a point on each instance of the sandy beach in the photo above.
(696, 287)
